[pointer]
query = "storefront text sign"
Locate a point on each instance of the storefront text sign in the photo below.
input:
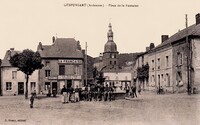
(69, 61)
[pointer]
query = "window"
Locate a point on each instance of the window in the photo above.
(33, 85)
(110, 62)
(167, 61)
(47, 63)
(8, 85)
(47, 86)
(76, 69)
(158, 63)
(152, 79)
(142, 60)
(180, 58)
(14, 74)
(61, 70)
(168, 79)
(153, 65)
(47, 73)
(115, 62)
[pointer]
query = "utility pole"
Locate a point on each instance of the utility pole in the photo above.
(188, 56)
(86, 63)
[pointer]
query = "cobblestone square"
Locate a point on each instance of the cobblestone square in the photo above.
(147, 109)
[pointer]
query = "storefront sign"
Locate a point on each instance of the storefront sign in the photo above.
(52, 77)
(69, 61)
(69, 77)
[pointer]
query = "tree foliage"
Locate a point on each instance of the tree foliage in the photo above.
(100, 78)
(27, 62)
(143, 72)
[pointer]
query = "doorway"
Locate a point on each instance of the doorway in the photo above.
(20, 88)
(69, 83)
(54, 86)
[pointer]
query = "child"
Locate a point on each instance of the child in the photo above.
(31, 100)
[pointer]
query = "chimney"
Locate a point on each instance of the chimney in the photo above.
(152, 46)
(12, 49)
(9, 54)
(198, 19)
(164, 38)
(53, 39)
(147, 49)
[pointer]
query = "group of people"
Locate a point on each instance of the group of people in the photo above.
(89, 93)
(98, 93)
(131, 91)
(70, 94)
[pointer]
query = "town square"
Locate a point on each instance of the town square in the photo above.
(104, 62)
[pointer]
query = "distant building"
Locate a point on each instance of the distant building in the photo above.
(118, 79)
(186, 58)
(175, 63)
(13, 81)
(118, 67)
(63, 64)
(160, 65)
(110, 55)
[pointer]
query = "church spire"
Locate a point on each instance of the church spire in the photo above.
(110, 33)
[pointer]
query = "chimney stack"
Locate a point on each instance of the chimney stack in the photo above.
(198, 19)
(147, 49)
(164, 38)
(12, 49)
(53, 39)
(151, 46)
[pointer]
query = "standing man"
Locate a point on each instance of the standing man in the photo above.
(64, 94)
(77, 98)
(134, 91)
(31, 100)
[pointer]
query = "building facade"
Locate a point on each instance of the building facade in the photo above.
(110, 54)
(63, 65)
(13, 81)
(174, 64)
(120, 80)
(160, 66)
(186, 58)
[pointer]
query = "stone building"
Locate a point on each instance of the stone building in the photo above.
(63, 64)
(13, 81)
(186, 58)
(160, 65)
(174, 64)
(110, 54)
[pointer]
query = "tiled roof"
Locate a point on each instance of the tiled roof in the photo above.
(62, 48)
(5, 61)
(193, 30)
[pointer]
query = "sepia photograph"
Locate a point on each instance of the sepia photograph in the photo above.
(100, 62)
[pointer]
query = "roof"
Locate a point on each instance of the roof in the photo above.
(61, 48)
(9, 53)
(193, 30)
(110, 46)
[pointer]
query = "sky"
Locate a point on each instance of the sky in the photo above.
(25, 23)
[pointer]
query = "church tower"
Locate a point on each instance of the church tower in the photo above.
(110, 54)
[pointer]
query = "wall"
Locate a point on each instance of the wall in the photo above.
(120, 79)
(180, 47)
(161, 69)
(20, 77)
(77, 79)
(196, 63)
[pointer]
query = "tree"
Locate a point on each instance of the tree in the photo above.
(100, 78)
(27, 62)
(143, 73)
